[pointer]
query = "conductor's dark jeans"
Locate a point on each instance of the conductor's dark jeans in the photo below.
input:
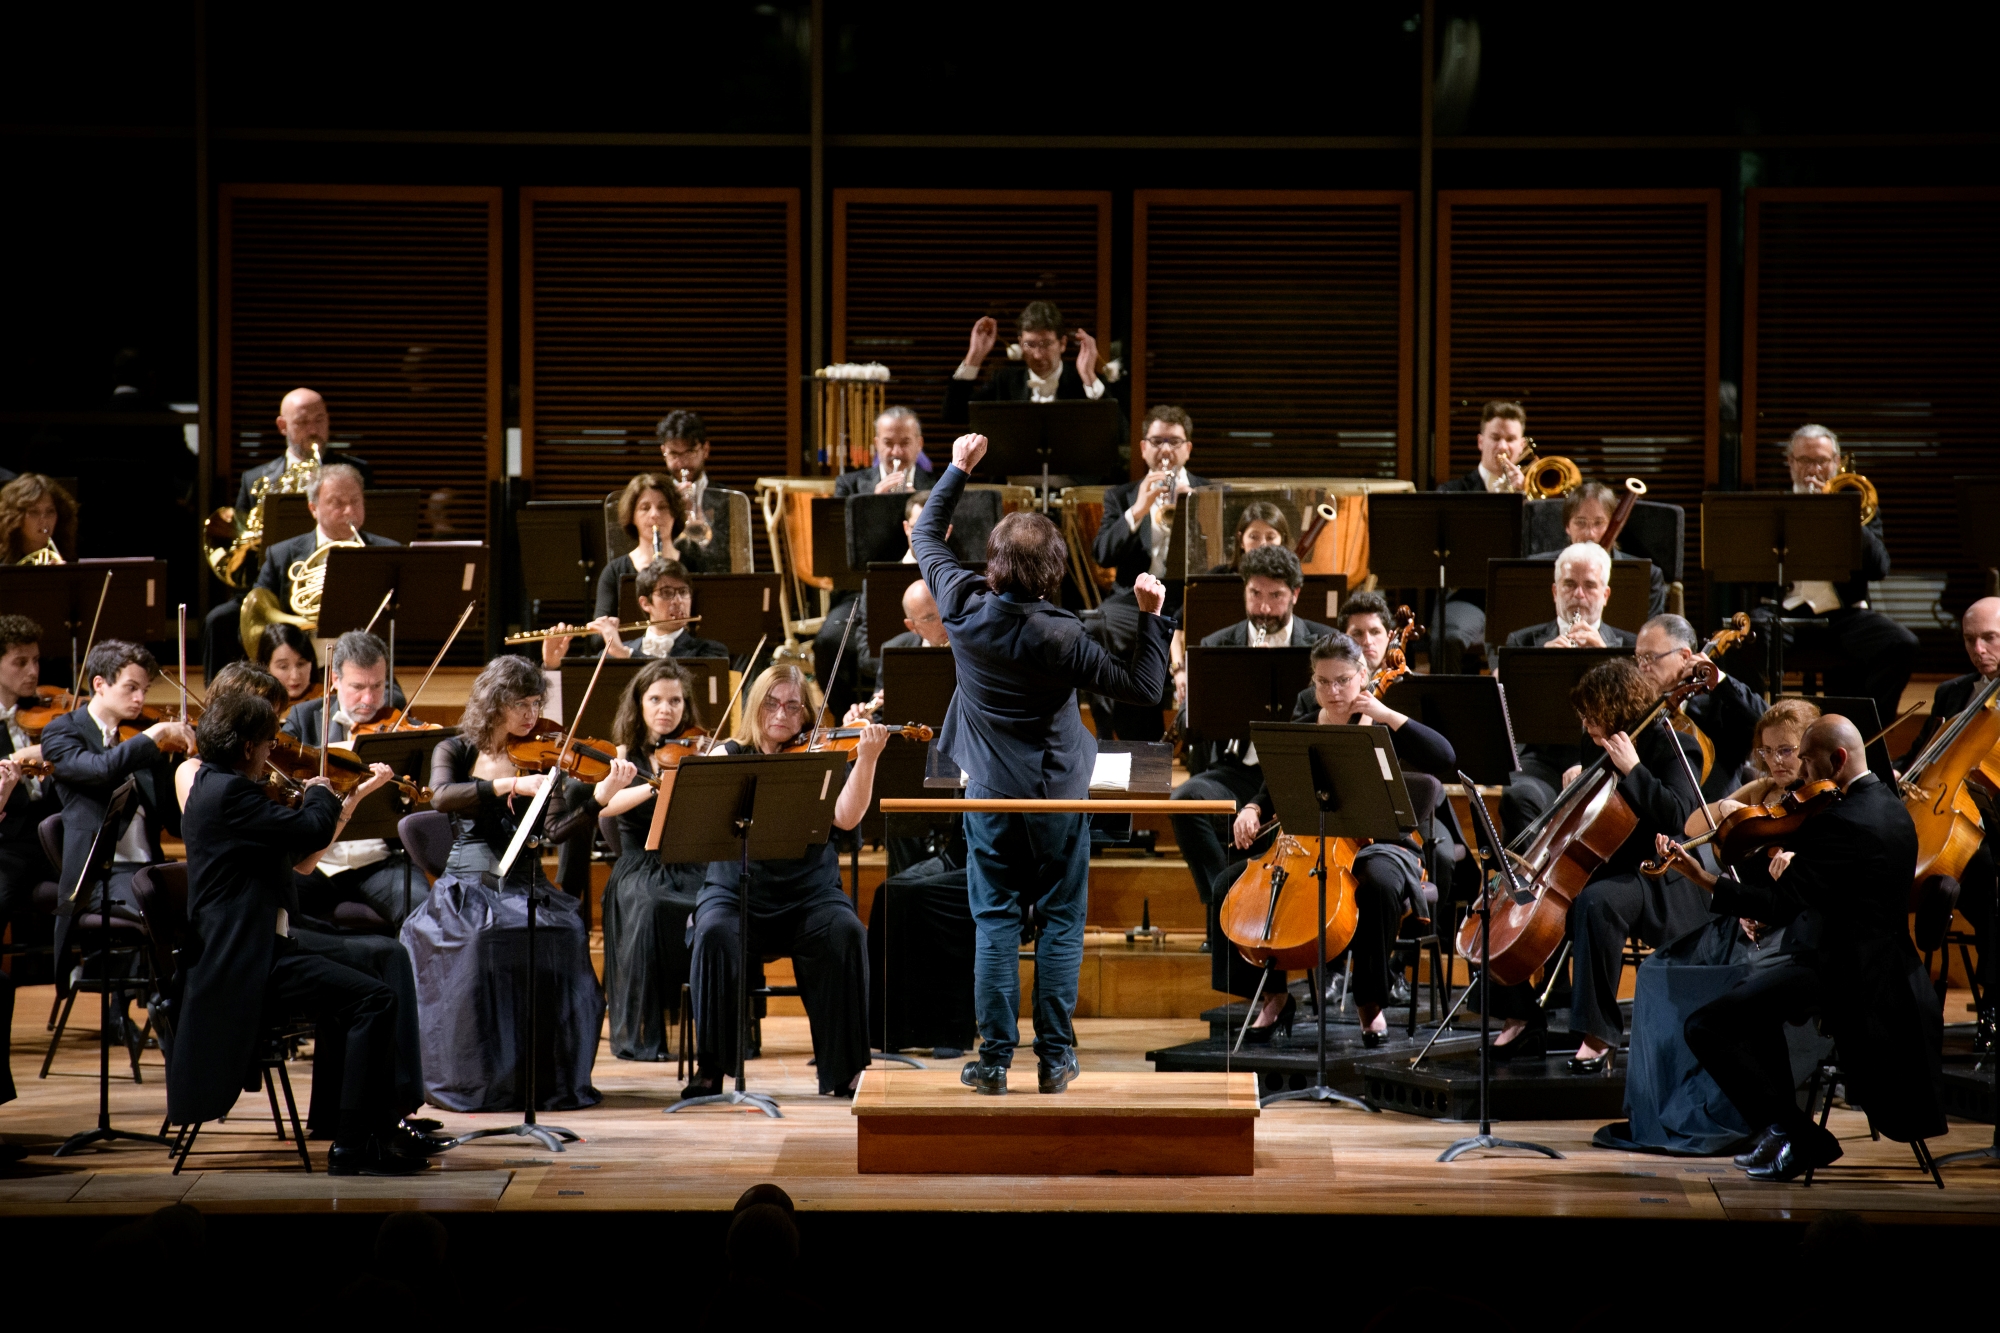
(1013, 863)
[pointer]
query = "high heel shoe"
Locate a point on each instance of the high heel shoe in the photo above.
(1603, 1064)
(1532, 1044)
(1261, 1035)
(1371, 1039)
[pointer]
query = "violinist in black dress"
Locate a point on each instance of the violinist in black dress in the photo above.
(797, 909)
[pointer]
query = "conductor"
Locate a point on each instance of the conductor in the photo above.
(1014, 728)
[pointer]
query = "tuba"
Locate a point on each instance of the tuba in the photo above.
(1547, 478)
(1847, 479)
(307, 581)
(234, 538)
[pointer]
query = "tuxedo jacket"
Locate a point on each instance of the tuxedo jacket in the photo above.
(1947, 703)
(1119, 546)
(1468, 481)
(246, 499)
(1534, 636)
(862, 481)
(279, 559)
(1007, 384)
(87, 772)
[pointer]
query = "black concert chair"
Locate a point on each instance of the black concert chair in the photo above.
(426, 836)
(122, 966)
(1417, 937)
(1937, 899)
(161, 891)
(1656, 531)
(1826, 1075)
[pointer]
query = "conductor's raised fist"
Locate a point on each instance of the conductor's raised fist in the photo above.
(966, 451)
(1150, 593)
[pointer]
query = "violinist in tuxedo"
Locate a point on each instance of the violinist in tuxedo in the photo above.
(1981, 630)
(1841, 886)
(1502, 438)
(1040, 376)
(24, 801)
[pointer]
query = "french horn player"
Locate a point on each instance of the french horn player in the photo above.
(294, 574)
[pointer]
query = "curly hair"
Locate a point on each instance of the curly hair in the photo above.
(18, 629)
(1614, 694)
(506, 680)
(629, 728)
(110, 658)
(230, 725)
(635, 490)
(749, 720)
(1272, 562)
(678, 425)
(20, 495)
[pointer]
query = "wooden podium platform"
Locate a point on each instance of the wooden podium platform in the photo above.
(914, 1122)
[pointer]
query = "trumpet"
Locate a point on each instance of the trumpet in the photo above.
(1847, 479)
(698, 529)
(574, 631)
(1547, 478)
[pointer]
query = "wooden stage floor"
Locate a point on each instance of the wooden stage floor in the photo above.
(634, 1159)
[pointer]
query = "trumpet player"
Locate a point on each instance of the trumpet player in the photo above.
(900, 464)
(1868, 654)
(683, 440)
(1503, 437)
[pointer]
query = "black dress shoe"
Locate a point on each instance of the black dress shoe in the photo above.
(1603, 1064)
(405, 1141)
(371, 1157)
(1763, 1150)
(1805, 1151)
(701, 1085)
(986, 1080)
(1055, 1078)
(1531, 1044)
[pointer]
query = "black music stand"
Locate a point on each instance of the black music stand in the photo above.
(1866, 719)
(1472, 710)
(391, 513)
(1776, 537)
(1440, 540)
(96, 883)
(64, 599)
(1517, 595)
(380, 813)
(1230, 688)
(1215, 601)
(917, 684)
(430, 584)
(1348, 782)
(707, 700)
(1484, 1138)
(735, 609)
(562, 548)
(1536, 683)
(1082, 437)
(745, 807)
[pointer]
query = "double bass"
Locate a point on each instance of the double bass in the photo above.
(1576, 835)
(1270, 912)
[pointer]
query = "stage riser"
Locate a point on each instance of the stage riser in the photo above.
(1111, 1146)
(1447, 1088)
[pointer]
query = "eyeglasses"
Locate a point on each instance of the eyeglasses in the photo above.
(673, 594)
(1042, 344)
(1337, 683)
(794, 707)
(1647, 659)
(1767, 754)
(1164, 441)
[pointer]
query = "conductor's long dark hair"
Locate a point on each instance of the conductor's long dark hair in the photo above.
(1026, 556)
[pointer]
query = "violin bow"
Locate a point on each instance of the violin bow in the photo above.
(91, 642)
(184, 661)
(737, 694)
(819, 723)
(369, 628)
(521, 833)
(1893, 725)
(410, 704)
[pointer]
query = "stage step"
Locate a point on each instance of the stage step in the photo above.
(925, 1122)
(1446, 1087)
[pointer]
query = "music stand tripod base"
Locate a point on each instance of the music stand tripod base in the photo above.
(1488, 1141)
(551, 1137)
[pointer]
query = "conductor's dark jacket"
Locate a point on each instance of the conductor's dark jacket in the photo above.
(1120, 546)
(87, 772)
(279, 559)
(1013, 724)
(1845, 898)
(1007, 384)
(241, 849)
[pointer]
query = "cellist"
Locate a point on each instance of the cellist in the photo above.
(1387, 874)
(1655, 778)
(1981, 627)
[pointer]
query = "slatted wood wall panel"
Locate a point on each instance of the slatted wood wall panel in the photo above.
(1282, 321)
(1600, 312)
(635, 302)
(1876, 313)
(387, 301)
(913, 269)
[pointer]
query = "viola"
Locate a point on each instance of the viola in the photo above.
(1742, 833)
(586, 760)
(51, 702)
(1395, 658)
(1563, 848)
(846, 738)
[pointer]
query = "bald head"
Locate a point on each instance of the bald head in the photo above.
(1833, 749)
(302, 419)
(1982, 635)
(920, 615)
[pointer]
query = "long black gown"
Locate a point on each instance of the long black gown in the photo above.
(648, 909)
(469, 944)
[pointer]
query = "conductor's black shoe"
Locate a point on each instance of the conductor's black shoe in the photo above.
(371, 1157)
(1055, 1078)
(1803, 1151)
(1603, 1064)
(987, 1080)
(1763, 1150)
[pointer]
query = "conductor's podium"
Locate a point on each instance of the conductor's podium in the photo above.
(911, 1122)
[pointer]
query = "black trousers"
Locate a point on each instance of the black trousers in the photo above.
(379, 886)
(1464, 633)
(828, 947)
(1975, 903)
(1118, 630)
(355, 1048)
(1740, 1041)
(387, 961)
(1384, 879)
(921, 941)
(1609, 909)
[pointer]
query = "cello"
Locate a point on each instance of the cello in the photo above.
(1268, 913)
(1937, 789)
(1564, 847)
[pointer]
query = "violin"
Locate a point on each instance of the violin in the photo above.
(1742, 833)
(846, 738)
(149, 714)
(293, 763)
(32, 768)
(667, 754)
(1582, 830)
(51, 702)
(395, 719)
(1395, 658)
(586, 760)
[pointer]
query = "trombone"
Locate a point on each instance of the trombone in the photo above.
(578, 631)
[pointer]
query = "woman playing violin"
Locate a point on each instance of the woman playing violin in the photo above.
(647, 901)
(796, 907)
(470, 1031)
(1387, 875)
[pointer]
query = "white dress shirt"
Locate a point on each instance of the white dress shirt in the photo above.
(134, 845)
(22, 741)
(656, 644)
(1041, 388)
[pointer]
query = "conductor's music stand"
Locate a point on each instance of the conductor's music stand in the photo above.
(380, 813)
(745, 807)
(96, 884)
(430, 583)
(1440, 540)
(1781, 538)
(1082, 437)
(1230, 688)
(1347, 781)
